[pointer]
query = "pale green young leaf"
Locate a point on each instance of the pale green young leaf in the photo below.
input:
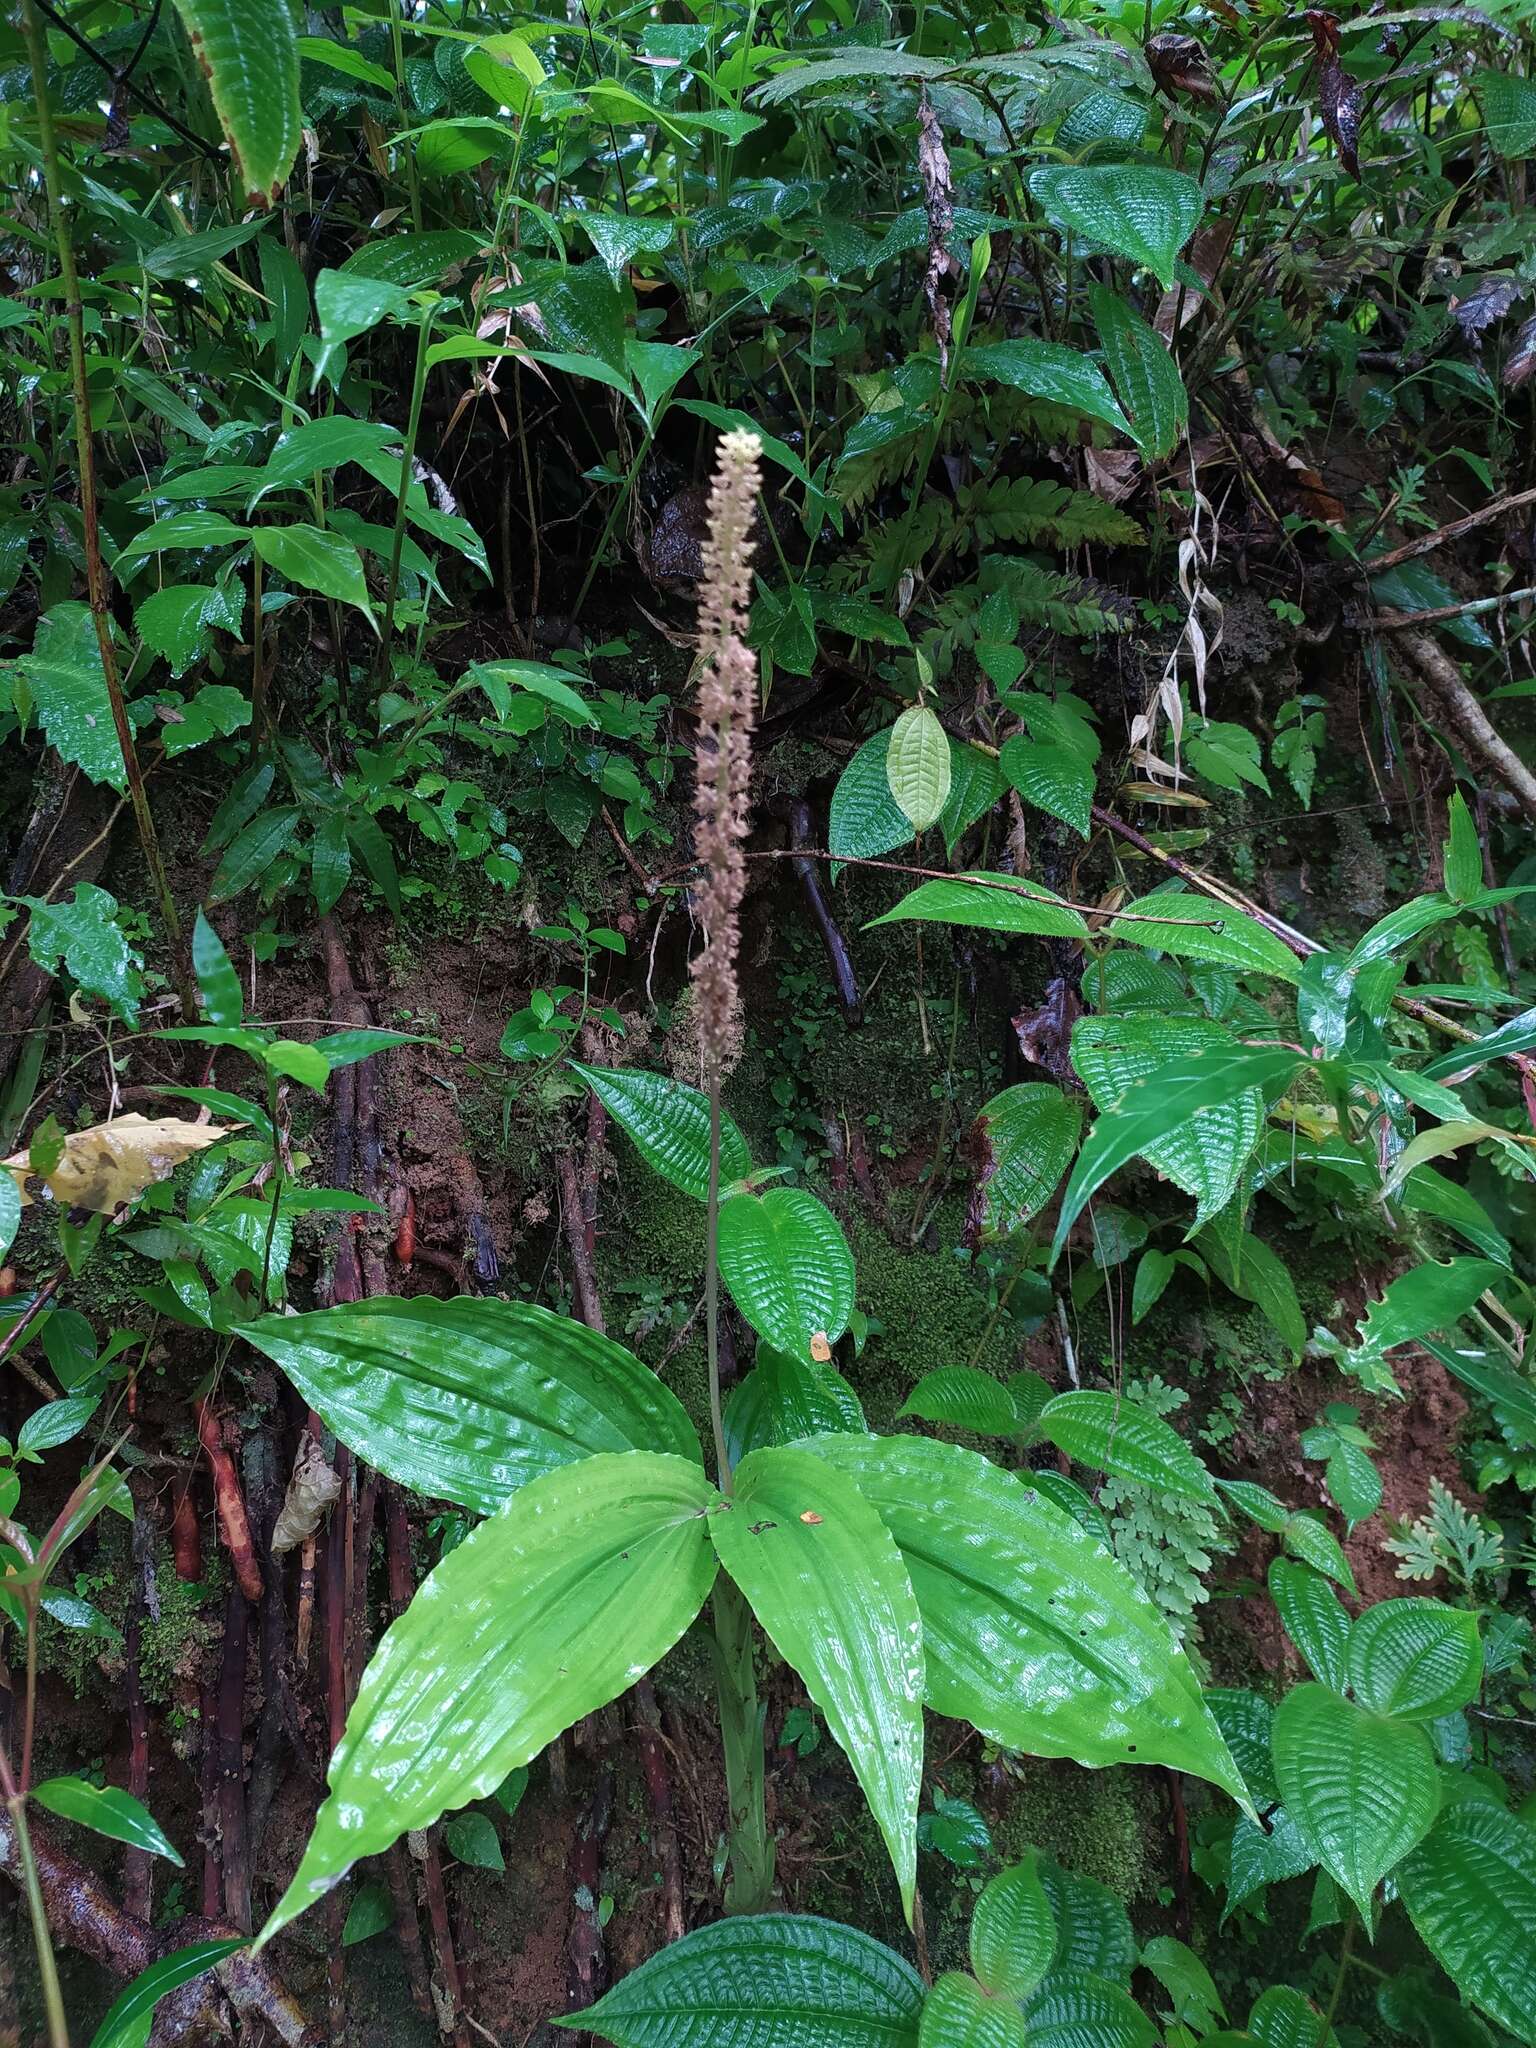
(1463, 862)
(917, 766)
(989, 902)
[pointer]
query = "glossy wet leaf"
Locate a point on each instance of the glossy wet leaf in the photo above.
(249, 55)
(783, 1399)
(129, 2017)
(994, 903)
(1093, 1929)
(1283, 2018)
(1046, 370)
(958, 2013)
(1144, 374)
(1013, 1931)
(467, 1400)
(87, 935)
(785, 1259)
(669, 1123)
(1141, 211)
(965, 1398)
(826, 1581)
(1051, 779)
(1470, 1891)
(1115, 1435)
(1362, 1789)
(1314, 1619)
(1076, 2009)
(314, 558)
(777, 1980)
(1025, 1138)
(547, 1611)
(1415, 1659)
(106, 1810)
(1198, 928)
(1032, 1630)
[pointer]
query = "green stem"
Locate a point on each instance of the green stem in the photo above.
(95, 567)
(412, 428)
(1346, 1952)
(749, 1886)
(48, 1969)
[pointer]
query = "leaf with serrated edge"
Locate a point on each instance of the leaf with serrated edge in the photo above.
(994, 903)
(1470, 1891)
(959, 2014)
(1313, 1617)
(1415, 1659)
(824, 1577)
(249, 54)
(1013, 1931)
(917, 766)
(550, 1609)
(669, 1123)
(1110, 1434)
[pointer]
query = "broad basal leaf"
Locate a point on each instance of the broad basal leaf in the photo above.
(783, 1399)
(829, 1586)
(1032, 1630)
(1114, 1435)
(546, 1612)
(86, 935)
(248, 51)
(669, 1123)
(1051, 779)
(785, 1259)
(917, 766)
(467, 1400)
(779, 1980)
(69, 693)
(1023, 1140)
(1362, 1789)
(1143, 212)
(1470, 1890)
(994, 903)
(1415, 1659)
(1048, 371)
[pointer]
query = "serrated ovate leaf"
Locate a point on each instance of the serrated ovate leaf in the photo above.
(1245, 1719)
(966, 1398)
(824, 1577)
(1283, 2018)
(1427, 1298)
(783, 1399)
(1047, 371)
(1145, 376)
(958, 2013)
(1023, 1141)
(1113, 1435)
(917, 766)
(106, 1810)
(1052, 779)
(1141, 211)
(1032, 1630)
(85, 934)
(1361, 1788)
(1470, 1891)
(1415, 1659)
(553, 1607)
(1143, 1071)
(669, 1123)
(249, 53)
(776, 1980)
(110, 1164)
(1265, 1854)
(467, 1400)
(1314, 1618)
(1307, 1537)
(988, 902)
(1196, 928)
(1076, 2009)
(1253, 1271)
(1093, 1929)
(1013, 1931)
(785, 1259)
(69, 693)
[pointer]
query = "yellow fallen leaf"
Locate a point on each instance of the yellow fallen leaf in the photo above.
(111, 1163)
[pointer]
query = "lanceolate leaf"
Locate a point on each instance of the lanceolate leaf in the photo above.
(1196, 928)
(1160, 1103)
(780, 1980)
(1361, 1788)
(468, 1400)
(129, 2017)
(829, 1586)
(1415, 1659)
(1470, 1890)
(994, 903)
(548, 1611)
(1114, 1435)
(248, 51)
(1145, 376)
(107, 1810)
(785, 1259)
(1313, 1618)
(1032, 1630)
(1013, 1931)
(315, 559)
(1139, 211)
(917, 766)
(669, 1123)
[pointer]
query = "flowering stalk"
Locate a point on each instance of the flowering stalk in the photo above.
(727, 706)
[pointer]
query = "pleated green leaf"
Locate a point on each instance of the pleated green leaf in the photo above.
(966, 1398)
(917, 766)
(959, 2014)
(1032, 1630)
(248, 51)
(825, 1579)
(1025, 1138)
(1051, 779)
(550, 1609)
(1116, 1436)
(1314, 1619)
(783, 1399)
(779, 1980)
(993, 903)
(1144, 374)
(1197, 928)
(468, 1400)
(1362, 1789)
(1013, 1931)
(1141, 211)
(669, 1123)
(785, 1259)
(1415, 1659)
(1075, 2009)
(1470, 1890)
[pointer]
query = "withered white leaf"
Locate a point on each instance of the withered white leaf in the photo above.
(111, 1163)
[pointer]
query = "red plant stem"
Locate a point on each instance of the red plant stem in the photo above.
(137, 1863)
(229, 1503)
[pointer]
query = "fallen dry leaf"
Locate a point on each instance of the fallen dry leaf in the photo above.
(111, 1163)
(314, 1487)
